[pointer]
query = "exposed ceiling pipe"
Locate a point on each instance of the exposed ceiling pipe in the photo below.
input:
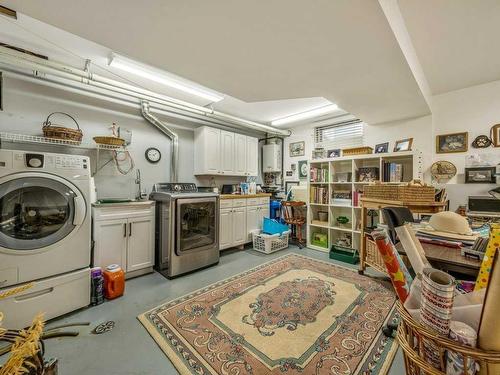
(18, 60)
(174, 138)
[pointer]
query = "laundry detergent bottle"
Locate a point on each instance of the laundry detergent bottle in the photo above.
(114, 281)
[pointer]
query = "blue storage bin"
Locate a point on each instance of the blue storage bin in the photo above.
(273, 227)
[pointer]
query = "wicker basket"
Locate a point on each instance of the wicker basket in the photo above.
(413, 192)
(412, 336)
(109, 141)
(61, 132)
(357, 151)
(373, 257)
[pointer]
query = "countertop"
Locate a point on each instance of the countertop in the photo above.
(117, 204)
(244, 196)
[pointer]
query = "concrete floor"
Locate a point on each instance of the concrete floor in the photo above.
(128, 349)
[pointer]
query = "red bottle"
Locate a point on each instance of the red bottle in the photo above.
(114, 281)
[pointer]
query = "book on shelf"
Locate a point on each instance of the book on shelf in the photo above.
(318, 174)
(356, 195)
(392, 172)
(319, 194)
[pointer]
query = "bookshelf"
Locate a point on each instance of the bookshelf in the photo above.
(334, 188)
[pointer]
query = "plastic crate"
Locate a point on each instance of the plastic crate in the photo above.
(344, 254)
(269, 243)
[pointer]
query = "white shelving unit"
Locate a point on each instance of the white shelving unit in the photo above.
(349, 166)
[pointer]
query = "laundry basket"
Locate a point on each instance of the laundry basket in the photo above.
(269, 243)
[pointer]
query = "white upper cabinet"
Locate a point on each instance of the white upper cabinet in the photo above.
(240, 155)
(252, 164)
(219, 152)
(207, 151)
(227, 152)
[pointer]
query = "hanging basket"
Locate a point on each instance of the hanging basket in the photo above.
(60, 132)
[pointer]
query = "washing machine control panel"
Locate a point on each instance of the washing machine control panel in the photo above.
(48, 161)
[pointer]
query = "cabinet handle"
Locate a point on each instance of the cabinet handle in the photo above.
(124, 229)
(129, 229)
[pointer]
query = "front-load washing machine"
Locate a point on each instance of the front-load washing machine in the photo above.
(45, 235)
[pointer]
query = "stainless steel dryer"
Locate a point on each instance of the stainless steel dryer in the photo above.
(187, 228)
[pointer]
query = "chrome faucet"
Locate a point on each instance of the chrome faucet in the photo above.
(139, 183)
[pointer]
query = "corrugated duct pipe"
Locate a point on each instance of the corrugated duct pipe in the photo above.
(174, 138)
(18, 61)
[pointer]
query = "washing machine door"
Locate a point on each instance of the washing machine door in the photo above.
(38, 210)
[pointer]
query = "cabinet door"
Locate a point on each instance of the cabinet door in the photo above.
(110, 238)
(252, 164)
(140, 249)
(212, 151)
(239, 221)
(225, 228)
(240, 155)
(253, 220)
(227, 152)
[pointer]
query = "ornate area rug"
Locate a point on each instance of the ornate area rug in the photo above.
(293, 315)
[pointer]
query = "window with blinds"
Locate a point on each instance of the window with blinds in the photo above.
(341, 135)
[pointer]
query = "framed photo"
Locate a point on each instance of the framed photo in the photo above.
(293, 167)
(495, 135)
(403, 145)
(480, 175)
(289, 184)
(382, 148)
(303, 166)
(334, 153)
(297, 148)
(455, 142)
(289, 173)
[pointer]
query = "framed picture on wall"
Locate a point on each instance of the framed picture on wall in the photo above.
(495, 135)
(289, 184)
(334, 153)
(297, 148)
(480, 175)
(403, 145)
(303, 169)
(382, 148)
(454, 142)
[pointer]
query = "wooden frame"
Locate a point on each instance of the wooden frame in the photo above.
(495, 135)
(301, 146)
(464, 148)
(486, 171)
(410, 143)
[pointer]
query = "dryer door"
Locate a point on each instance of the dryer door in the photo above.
(38, 210)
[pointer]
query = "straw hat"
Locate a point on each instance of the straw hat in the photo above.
(449, 224)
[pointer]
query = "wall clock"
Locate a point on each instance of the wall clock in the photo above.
(153, 155)
(443, 170)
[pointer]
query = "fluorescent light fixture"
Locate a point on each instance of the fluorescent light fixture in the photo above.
(305, 115)
(158, 76)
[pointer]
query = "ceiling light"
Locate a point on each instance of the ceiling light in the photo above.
(158, 76)
(305, 115)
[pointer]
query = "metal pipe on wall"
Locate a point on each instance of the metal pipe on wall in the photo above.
(18, 60)
(174, 138)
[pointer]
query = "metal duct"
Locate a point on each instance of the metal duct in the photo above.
(18, 61)
(174, 138)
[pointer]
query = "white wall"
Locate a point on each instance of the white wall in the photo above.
(473, 109)
(26, 105)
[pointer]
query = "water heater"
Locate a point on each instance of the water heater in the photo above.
(271, 158)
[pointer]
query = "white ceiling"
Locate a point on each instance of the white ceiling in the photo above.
(456, 41)
(259, 53)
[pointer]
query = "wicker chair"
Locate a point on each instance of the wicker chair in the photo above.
(293, 213)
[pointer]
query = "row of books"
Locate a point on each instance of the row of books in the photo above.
(319, 174)
(319, 195)
(356, 195)
(392, 172)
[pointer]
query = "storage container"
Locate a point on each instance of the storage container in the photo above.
(269, 243)
(344, 254)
